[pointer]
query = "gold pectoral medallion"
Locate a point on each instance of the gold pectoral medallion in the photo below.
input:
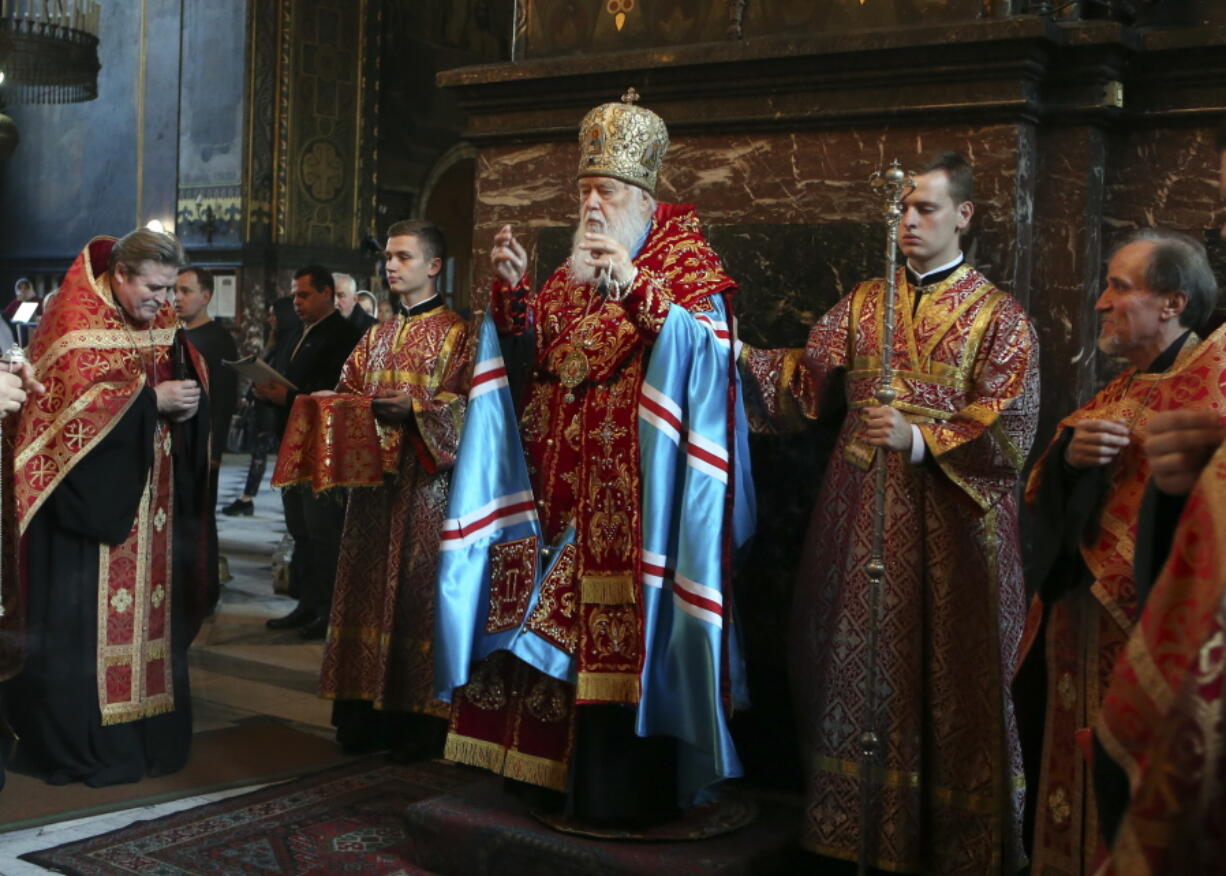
(573, 370)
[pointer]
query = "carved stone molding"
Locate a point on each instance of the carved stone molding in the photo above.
(1024, 68)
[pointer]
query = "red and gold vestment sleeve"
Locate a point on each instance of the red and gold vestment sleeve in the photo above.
(786, 387)
(676, 266)
(983, 446)
(439, 418)
(509, 305)
(1102, 405)
(428, 358)
(354, 372)
(647, 303)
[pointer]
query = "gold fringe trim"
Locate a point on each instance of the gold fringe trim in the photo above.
(475, 752)
(608, 687)
(536, 770)
(607, 589)
(138, 711)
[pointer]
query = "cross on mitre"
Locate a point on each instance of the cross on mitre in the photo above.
(630, 96)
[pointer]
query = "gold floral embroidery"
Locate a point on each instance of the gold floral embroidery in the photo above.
(157, 596)
(573, 432)
(121, 600)
(486, 689)
(1058, 806)
(554, 615)
(535, 421)
(608, 529)
(547, 701)
(612, 631)
(159, 519)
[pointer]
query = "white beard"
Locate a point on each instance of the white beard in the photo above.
(624, 226)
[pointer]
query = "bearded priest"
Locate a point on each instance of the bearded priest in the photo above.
(596, 659)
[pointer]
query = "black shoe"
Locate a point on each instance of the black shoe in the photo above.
(239, 508)
(316, 629)
(299, 617)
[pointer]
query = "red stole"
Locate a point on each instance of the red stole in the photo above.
(94, 365)
(1162, 715)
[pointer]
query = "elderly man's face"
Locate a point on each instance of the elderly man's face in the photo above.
(605, 203)
(1132, 314)
(346, 298)
(142, 291)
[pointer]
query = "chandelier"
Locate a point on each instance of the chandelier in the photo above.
(49, 50)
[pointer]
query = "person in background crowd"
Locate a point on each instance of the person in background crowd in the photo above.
(23, 291)
(386, 311)
(347, 302)
(283, 324)
(193, 292)
(316, 355)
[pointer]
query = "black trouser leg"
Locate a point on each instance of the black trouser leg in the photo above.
(324, 515)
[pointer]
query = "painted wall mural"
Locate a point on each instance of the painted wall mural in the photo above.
(209, 206)
(546, 28)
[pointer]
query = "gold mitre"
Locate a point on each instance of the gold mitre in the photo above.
(624, 141)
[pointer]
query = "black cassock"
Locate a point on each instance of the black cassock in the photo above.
(52, 705)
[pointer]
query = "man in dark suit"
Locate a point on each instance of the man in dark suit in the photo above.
(316, 355)
(193, 292)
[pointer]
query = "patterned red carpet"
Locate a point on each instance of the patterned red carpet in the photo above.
(351, 820)
(346, 820)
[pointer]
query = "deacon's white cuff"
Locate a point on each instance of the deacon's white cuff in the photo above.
(917, 445)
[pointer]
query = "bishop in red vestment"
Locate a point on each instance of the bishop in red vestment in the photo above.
(592, 325)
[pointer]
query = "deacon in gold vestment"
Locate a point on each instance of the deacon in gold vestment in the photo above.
(378, 662)
(952, 604)
(1087, 491)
